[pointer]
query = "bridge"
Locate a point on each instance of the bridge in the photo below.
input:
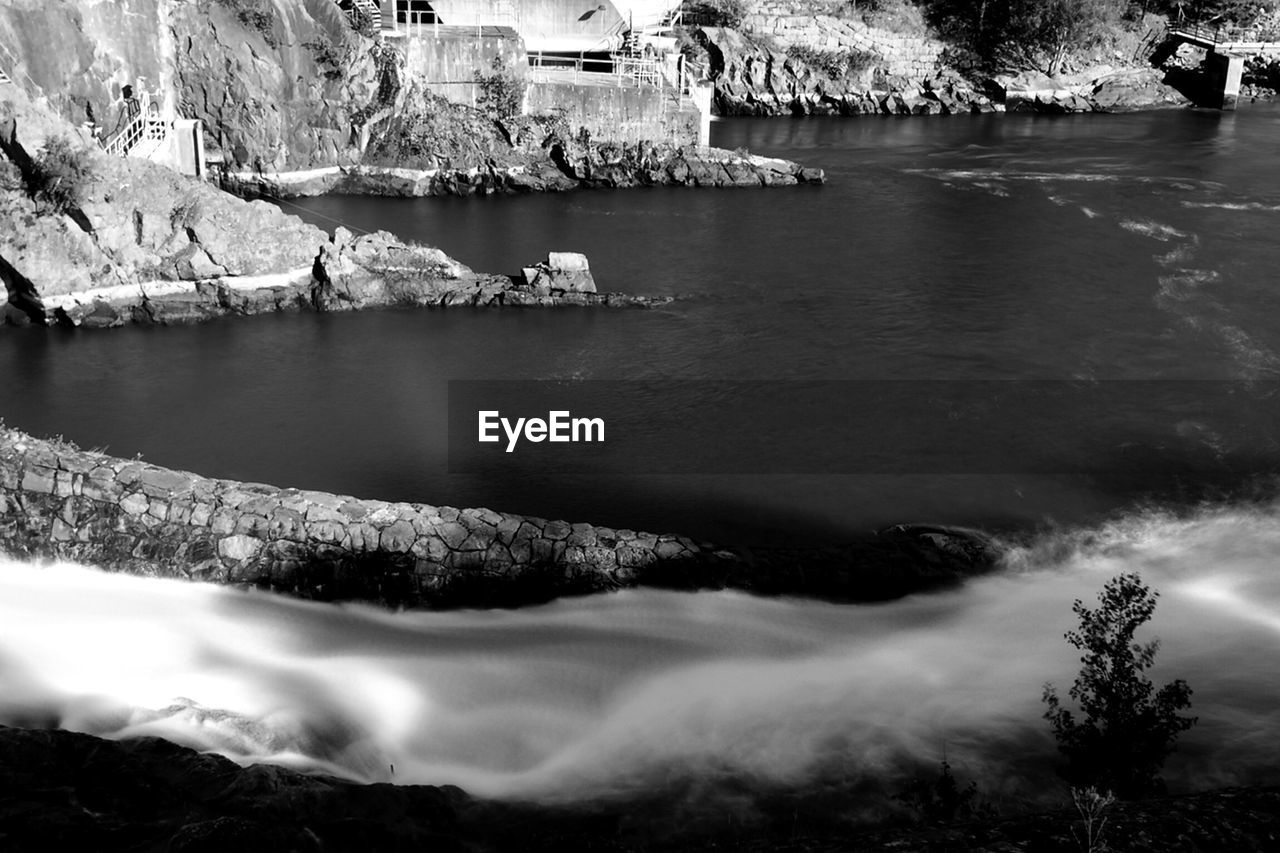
(1226, 50)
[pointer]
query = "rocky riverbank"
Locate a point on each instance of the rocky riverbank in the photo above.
(567, 166)
(57, 501)
(63, 790)
(861, 72)
(87, 239)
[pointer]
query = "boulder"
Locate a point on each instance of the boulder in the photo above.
(562, 272)
(1133, 90)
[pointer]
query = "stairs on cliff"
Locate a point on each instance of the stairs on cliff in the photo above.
(360, 12)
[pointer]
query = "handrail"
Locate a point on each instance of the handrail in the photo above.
(1217, 35)
(145, 126)
(421, 23)
(625, 68)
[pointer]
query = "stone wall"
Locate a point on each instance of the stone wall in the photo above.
(903, 56)
(126, 515)
(57, 501)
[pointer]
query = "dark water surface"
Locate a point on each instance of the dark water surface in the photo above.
(1084, 248)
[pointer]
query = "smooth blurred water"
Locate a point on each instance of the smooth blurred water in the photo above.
(1001, 247)
(633, 693)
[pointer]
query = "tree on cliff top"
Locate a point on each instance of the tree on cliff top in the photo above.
(1026, 34)
(1129, 727)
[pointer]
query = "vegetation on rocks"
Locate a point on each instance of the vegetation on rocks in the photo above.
(257, 15)
(1043, 34)
(501, 94)
(833, 63)
(57, 176)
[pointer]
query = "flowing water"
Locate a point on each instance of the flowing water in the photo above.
(620, 694)
(1104, 251)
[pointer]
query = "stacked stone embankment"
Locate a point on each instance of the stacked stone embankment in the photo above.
(891, 54)
(57, 501)
(127, 515)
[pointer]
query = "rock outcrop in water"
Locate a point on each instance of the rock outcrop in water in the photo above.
(127, 240)
(126, 515)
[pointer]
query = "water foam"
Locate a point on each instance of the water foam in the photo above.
(615, 694)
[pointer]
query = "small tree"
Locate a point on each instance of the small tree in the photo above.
(501, 93)
(1129, 727)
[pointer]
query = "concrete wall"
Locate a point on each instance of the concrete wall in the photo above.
(626, 114)
(448, 63)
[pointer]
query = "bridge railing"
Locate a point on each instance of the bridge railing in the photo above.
(1216, 34)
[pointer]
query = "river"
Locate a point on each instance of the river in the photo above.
(1134, 247)
(1130, 257)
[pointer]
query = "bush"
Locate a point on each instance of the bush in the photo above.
(836, 64)
(1129, 727)
(943, 800)
(501, 94)
(256, 15)
(1037, 34)
(57, 176)
(718, 13)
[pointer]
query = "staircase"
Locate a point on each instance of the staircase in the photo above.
(361, 12)
(144, 136)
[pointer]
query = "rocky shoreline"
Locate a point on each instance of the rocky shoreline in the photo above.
(570, 168)
(64, 790)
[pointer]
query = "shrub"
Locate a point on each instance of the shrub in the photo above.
(1129, 727)
(57, 176)
(330, 58)
(943, 800)
(501, 94)
(1037, 34)
(1092, 805)
(256, 15)
(836, 64)
(718, 13)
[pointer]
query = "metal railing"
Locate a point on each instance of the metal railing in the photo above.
(1221, 35)
(146, 126)
(427, 24)
(626, 69)
(360, 12)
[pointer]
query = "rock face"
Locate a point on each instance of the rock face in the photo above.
(278, 85)
(562, 272)
(124, 221)
(846, 68)
(1101, 90)
(136, 242)
(125, 515)
(760, 77)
